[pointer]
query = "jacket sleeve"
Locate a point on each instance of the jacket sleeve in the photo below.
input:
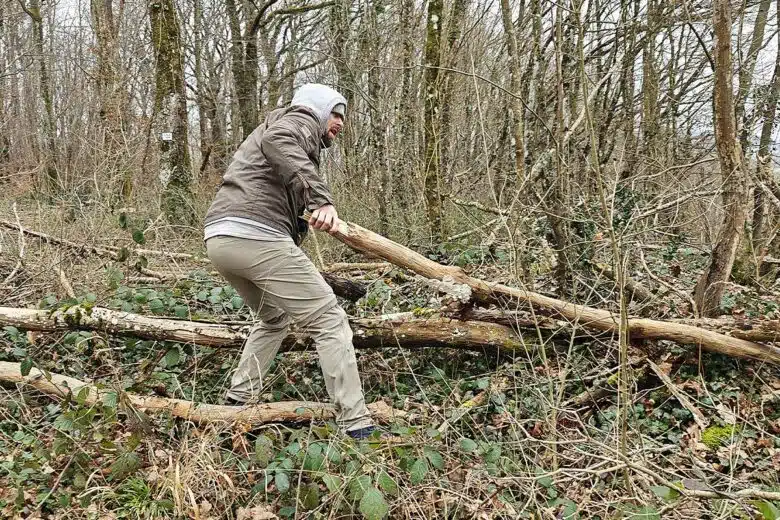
(281, 146)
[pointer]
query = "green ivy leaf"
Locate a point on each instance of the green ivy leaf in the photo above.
(172, 357)
(332, 482)
(435, 458)
(138, 237)
(358, 486)
(311, 497)
(387, 484)
(282, 481)
(181, 311)
(27, 365)
(665, 492)
(418, 471)
(156, 306)
(236, 302)
(123, 220)
(767, 509)
(124, 465)
(373, 505)
(467, 445)
(264, 451)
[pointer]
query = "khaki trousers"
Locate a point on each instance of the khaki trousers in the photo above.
(281, 285)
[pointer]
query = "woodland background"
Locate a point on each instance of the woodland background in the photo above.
(613, 153)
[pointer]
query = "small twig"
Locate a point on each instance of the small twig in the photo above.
(21, 248)
(654, 277)
(64, 282)
(698, 416)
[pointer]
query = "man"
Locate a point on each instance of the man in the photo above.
(253, 230)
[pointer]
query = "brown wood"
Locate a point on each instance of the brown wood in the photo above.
(366, 241)
(755, 329)
(342, 287)
(59, 386)
(367, 332)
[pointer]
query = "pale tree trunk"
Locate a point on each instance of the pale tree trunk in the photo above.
(764, 158)
(244, 79)
(650, 87)
(457, 16)
(405, 110)
(48, 123)
(110, 93)
(627, 89)
(515, 82)
(170, 114)
(5, 141)
(432, 119)
(712, 283)
(746, 72)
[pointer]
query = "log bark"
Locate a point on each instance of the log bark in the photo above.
(342, 287)
(60, 386)
(758, 330)
(367, 332)
(366, 241)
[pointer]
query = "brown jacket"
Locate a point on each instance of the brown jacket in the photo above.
(274, 174)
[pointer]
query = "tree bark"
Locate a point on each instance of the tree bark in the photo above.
(764, 158)
(515, 86)
(60, 386)
(170, 114)
(432, 112)
(366, 241)
(48, 122)
(367, 332)
(110, 95)
(348, 289)
(712, 284)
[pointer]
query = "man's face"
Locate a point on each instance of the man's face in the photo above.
(335, 124)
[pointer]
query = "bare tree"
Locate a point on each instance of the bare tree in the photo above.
(170, 114)
(712, 283)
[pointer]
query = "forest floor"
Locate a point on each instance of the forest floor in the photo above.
(485, 434)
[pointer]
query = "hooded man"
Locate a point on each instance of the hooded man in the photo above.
(253, 231)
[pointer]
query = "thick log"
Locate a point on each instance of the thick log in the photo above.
(754, 329)
(347, 289)
(368, 242)
(60, 386)
(367, 332)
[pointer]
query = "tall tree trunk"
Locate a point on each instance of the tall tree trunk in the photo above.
(110, 94)
(764, 156)
(457, 15)
(5, 141)
(712, 283)
(48, 123)
(432, 118)
(746, 73)
(402, 167)
(170, 114)
(242, 78)
(515, 81)
(650, 87)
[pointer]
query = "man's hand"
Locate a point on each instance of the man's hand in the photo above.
(325, 219)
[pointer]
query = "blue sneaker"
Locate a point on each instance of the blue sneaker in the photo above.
(362, 433)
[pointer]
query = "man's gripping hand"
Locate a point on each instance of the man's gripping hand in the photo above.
(325, 218)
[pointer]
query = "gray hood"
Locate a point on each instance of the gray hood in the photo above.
(321, 99)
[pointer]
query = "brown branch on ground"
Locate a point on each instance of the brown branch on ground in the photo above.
(60, 386)
(347, 289)
(367, 332)
(366, 241)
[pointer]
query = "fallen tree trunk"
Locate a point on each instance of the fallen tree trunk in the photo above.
(367, 332)
(347, 289)
(368, 242)
(61, 386)
(758, 330)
